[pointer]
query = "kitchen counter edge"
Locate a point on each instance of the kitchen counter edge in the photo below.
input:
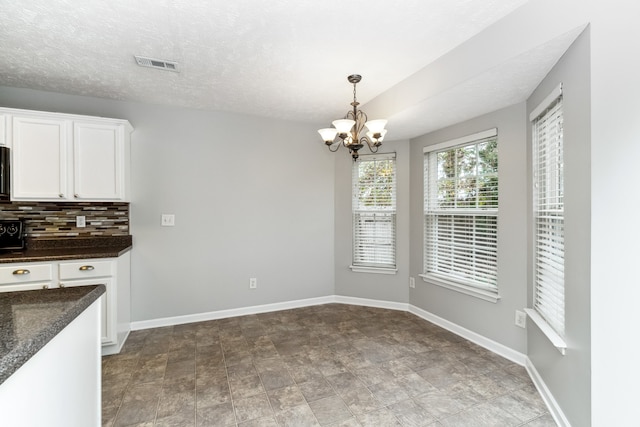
(61, 252)
(19, 353)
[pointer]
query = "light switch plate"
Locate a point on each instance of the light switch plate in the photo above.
(168, 220)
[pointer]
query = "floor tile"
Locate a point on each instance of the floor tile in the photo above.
(545, 420)
(246, 386)
(286, 398)
(212, 395)
(381, 417)
(486, 414)
(184, 418)
(439, 404)
(260, 422)
(521, 404)
(388, 392)
(315, 390)
(410, 414)
(360, 400)
(414, 385)
(252, 407)
(217, 415)
(172, 402)
(136, 412)
(330, 410)
(330, 365)
(344, 382)
(297, 416)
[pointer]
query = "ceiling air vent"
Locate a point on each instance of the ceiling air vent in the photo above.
(159, 64)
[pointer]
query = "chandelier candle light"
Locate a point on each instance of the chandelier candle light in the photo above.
(347, 131)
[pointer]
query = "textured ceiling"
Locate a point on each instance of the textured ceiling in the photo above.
(277, 58)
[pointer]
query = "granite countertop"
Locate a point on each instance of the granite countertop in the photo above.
(30, 319)
(68, 249)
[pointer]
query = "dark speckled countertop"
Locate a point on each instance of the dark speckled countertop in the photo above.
(30, 319)
(38, 250)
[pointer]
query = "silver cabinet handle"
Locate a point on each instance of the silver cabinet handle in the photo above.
(86, 268)
(21, 272)
(75, 195)
(61, 195)
(61, 285)
(45, 286)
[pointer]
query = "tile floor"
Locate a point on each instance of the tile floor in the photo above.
(328, 365)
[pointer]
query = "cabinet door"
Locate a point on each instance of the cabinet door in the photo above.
(107, 310)
(39, 167)
(3, 129)
(98, 161)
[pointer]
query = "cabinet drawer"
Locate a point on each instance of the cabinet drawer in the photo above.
(24, 287)
(25, 273)
(85, 269)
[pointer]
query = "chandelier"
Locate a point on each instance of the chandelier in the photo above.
(348, 131)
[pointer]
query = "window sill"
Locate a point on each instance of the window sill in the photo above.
(464, 289)
(553, 336)
(374, 270)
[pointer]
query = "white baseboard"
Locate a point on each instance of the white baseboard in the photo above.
(234, 312)
(108, 350)
(547, 397)
(474, 337)
(371, 303)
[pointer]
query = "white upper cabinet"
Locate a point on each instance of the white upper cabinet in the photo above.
(98, 161)
(39, 160)
(61, 157)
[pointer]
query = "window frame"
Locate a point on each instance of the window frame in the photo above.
(371, 266)
(544, 311)
(458, 284)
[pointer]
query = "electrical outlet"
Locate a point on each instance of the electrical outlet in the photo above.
(412, 282)
(81, 221)
(253, 283)
(521, 319)
(168, 220)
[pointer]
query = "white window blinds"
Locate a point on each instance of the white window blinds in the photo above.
(374, 211)
(548, 201)
(461, 212)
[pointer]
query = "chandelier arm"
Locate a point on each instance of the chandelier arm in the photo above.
(372, 146)
(338, 144)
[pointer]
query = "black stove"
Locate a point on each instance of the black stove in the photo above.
(11, 234)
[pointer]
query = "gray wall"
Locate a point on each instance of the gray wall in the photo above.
(574, 368)
(253, 197)
(492, 320)
(385, 287)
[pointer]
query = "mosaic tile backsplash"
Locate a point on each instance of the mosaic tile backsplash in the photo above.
(58, 220)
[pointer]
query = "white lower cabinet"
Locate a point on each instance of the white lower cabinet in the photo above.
(114, 273)
(107, 325)
(60, 384)
(26, 277)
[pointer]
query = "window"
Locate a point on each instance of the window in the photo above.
(461, 214)
(374, 213)
(548, 215)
